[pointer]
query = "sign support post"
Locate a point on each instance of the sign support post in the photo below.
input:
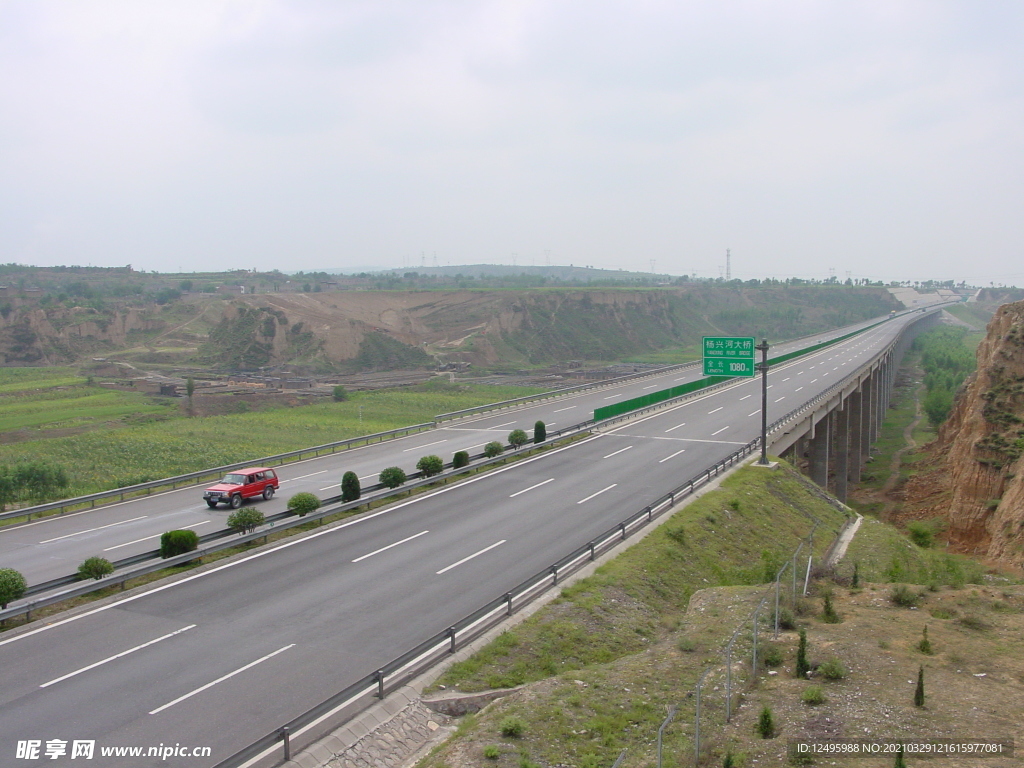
(763, 367)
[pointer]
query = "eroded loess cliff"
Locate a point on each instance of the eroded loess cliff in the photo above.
(979, 486)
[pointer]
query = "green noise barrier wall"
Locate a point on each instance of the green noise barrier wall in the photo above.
(636, 403)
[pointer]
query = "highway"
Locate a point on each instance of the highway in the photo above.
(227, 655)
(53, 547)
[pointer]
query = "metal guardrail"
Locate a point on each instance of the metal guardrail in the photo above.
(191, 477)
(426, 654)
(281, 458)
(556, 393)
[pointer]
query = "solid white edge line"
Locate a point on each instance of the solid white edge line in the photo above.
(616, 453)
(287, 544)
(538, 485)
(90, 530)
(581, 501)
(662, 461)
(389, 546)
(475, 554)
(117, 656)
(202, 688)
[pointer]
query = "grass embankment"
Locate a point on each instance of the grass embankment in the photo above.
(617, 647)
(108, 457)
(605, 660)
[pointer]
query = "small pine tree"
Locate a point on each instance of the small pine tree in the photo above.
(728, 762)
(919, 691)
(925, 646)
(766, 724)
(855, 583)
(828, 611)
(900, 762)
(350, 490)
(540, 432)
(802, 667)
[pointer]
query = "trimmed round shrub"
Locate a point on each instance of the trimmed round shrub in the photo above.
(245, 520)
(95, 568)
(460, 459)
(392, 477)
(430, 465)
(493, 448)
(350, 489)
(517, 438)
(303, 503)
(540, 432)
(178, 543)
(12, 586)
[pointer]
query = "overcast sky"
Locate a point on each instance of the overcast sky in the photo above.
(880, 138)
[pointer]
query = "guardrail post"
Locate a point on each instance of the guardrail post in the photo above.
(591, 545)
(286, 738)
(648, 514)
(379, 676)
(508, 601)
(451, 636)
(554, 574)
(622, 527)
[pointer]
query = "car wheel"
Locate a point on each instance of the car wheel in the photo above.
(211, 504)
(268, 492)
(236, 501)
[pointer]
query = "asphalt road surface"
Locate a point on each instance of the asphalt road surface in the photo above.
(223, 657)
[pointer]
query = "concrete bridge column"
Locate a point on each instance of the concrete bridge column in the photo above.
(817, 456)
(841, 449)
(856, 422)
(867, 395)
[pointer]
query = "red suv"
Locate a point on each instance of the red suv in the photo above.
(242, 484)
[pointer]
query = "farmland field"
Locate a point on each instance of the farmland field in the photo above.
(104, 458)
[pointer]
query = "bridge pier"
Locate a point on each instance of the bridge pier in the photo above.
(836, 436)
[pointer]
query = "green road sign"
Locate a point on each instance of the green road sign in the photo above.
(728, 356)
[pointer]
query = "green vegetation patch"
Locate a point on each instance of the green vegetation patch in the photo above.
(103, 459)
(630, 601)
(883, 554)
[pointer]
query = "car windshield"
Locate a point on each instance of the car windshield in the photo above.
(234, 479)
